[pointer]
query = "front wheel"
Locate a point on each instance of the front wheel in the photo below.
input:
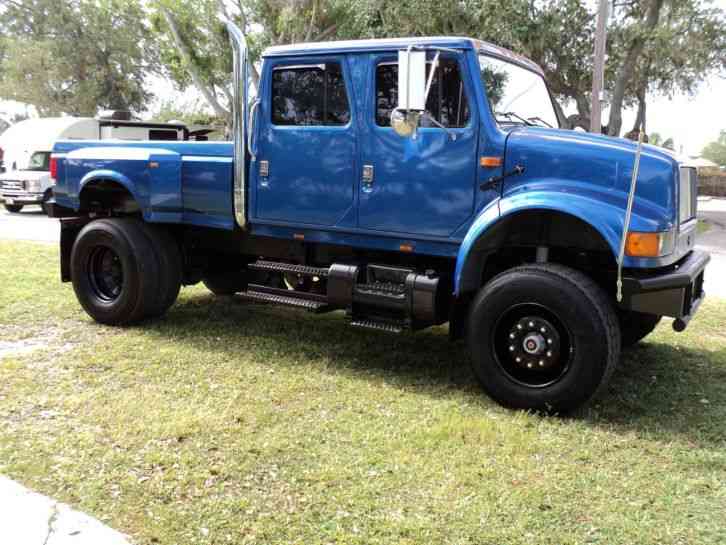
(13, 208)
(543, 337)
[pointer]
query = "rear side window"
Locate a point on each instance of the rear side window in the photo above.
(162, 134)
(447, 101)
(309, 95)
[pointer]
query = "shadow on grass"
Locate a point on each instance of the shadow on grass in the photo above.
(660, 390)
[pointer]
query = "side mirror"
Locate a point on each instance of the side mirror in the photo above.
(411, 92)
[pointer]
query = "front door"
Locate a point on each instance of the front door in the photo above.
(305, 168)
(424, 185)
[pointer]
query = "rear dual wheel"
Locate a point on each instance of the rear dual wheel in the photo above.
(124, 270)
(543, 337)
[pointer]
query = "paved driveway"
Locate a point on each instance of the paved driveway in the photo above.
(29, 224)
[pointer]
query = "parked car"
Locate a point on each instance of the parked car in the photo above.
(27, 146)
(408, 182)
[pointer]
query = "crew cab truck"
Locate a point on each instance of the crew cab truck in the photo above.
(407, 182)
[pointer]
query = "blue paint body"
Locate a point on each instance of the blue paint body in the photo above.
(426, 192)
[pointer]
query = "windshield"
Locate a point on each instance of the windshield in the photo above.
(40, 160)
(516, 95)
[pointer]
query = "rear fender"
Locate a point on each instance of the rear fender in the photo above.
(151, 176)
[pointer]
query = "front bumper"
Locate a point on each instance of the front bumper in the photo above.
(22, 198)
(676, 292)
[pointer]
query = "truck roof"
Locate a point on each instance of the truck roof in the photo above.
(395, 44)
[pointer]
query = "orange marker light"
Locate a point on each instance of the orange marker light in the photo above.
(298, 236)
(643, 244)
(490, 162)
(406, 247)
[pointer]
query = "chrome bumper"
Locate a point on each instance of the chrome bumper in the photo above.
(20, 197)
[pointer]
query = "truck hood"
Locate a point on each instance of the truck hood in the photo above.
(599, 165)
(25, 175)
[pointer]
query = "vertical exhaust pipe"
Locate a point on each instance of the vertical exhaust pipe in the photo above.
(239, 115)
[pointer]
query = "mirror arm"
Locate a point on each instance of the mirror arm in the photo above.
(451, 134)
(434, 66)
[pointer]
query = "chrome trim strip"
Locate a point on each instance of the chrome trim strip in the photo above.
(204, 158)
(239, 114)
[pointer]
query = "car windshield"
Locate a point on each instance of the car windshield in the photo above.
(40, 161)
(516, 95)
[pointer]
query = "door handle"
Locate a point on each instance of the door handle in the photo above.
(367, 177)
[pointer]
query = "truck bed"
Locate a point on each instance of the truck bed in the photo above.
(174, 182)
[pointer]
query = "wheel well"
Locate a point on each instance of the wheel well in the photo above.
(104, 195)
(514, 240)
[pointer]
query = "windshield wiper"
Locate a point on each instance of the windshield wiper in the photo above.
(535, 118)
(510, 115)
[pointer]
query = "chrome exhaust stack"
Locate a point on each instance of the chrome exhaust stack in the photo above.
(239, 115)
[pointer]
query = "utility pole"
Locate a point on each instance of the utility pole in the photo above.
(598, 68)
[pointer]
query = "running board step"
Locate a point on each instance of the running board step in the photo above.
(367, 323)
(286, 300)
(276, 266)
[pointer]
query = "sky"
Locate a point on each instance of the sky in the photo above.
(692, 121)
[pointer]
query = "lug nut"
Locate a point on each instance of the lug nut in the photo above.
(519, 326)
(512, 335)
(549, 341)
(529, 365)
(549, 353)
(531, 324)
(518, 359)
(511, 348)
(542, 329)
(541, 363)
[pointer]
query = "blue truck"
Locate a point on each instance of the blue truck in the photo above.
(409, 183)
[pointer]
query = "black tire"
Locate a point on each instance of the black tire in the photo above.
(13, 208)
(225, 283)
(169, 269)
(634, 326)
(114, 271)
(561, 326)
(46, 197)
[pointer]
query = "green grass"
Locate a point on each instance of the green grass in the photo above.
(702, 226)
(227, 422)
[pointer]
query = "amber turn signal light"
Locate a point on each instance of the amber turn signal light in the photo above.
(644, 244)
(490, 162)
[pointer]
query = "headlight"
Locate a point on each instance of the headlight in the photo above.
(649, 244)
(33, 186)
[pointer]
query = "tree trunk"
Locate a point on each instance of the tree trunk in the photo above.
(186, 54)
(627, 69)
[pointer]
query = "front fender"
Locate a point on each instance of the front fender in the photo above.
(602, 210)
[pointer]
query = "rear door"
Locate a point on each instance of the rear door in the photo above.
(306, 143)
(424, 185)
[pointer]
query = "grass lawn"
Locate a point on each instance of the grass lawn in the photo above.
(229, 422)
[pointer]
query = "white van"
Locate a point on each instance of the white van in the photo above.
(25, 150)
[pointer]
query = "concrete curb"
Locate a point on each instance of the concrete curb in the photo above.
(29, 518)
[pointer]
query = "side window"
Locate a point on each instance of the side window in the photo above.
(447, 101)
(309, 95)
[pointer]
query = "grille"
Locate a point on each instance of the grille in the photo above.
(687, 194)
(12, 185)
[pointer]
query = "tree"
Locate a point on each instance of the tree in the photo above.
(663, 46)
(76, 56)
(716, 151)
(195, 48)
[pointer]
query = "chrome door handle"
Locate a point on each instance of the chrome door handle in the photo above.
(251, 128)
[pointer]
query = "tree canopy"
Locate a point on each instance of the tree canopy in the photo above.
(716, 151)
(80, 55)
(76, 56)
